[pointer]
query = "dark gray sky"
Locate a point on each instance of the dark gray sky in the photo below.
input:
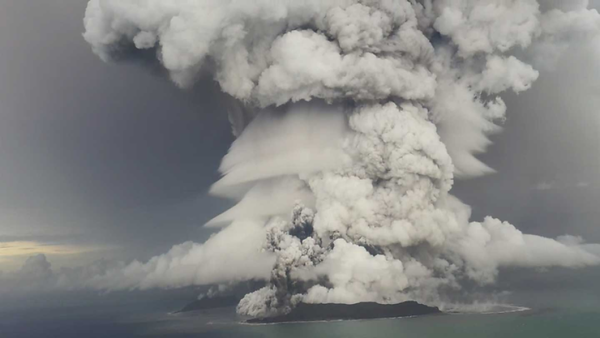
(99, 154)
(116, 158)
(547, 157)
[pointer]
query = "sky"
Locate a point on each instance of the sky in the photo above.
(113, 161)
(546, 158)
(97, 160)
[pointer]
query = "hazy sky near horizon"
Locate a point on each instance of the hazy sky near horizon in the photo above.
(111, 160)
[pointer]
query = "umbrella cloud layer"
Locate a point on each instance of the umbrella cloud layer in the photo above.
(353, 118)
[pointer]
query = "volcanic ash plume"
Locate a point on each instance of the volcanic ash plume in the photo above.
(354, 117)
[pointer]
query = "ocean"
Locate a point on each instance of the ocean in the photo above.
(546, 323)
(549, 313)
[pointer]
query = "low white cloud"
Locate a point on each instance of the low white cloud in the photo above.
(231, 255)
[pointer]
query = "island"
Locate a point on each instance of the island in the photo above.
(305, 312)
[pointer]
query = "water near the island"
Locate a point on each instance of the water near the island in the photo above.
(553, 313)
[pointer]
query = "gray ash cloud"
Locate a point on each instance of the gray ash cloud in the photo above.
(354, 118)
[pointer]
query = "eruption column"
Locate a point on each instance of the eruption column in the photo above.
(354, 117)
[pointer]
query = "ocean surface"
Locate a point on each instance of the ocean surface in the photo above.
(551, 312)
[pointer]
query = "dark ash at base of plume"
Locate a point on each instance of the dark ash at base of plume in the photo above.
(304, 312)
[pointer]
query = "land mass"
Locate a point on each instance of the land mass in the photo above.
(304, 312)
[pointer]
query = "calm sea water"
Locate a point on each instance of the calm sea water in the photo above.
(554, 313)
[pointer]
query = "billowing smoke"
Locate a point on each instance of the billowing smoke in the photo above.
(354, 117)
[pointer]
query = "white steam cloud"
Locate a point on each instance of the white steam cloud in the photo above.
(364, 112)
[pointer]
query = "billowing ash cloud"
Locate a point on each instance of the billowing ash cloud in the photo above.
(354, 117)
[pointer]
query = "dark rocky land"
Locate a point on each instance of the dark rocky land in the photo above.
(304, 312)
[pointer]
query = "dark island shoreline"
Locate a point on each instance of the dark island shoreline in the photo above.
(305, 312)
